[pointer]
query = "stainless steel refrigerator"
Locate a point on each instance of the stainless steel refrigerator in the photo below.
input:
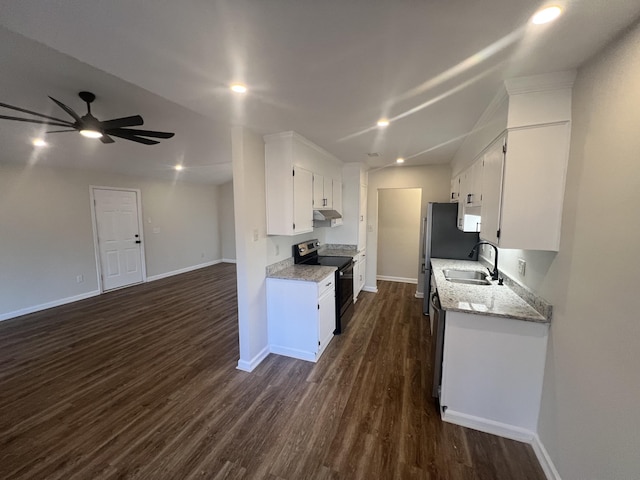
(442, 239)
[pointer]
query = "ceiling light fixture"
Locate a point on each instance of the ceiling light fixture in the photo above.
(400, 160)
(38, 142)
(383, 122)
(91, 133)
(238, 88)
(546, 15)
(178, 167)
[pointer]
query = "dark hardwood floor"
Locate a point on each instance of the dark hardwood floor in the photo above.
(141, 383)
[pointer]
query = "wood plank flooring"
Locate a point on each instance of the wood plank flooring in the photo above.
(141, 383)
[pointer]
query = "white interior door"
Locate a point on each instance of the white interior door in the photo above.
(118, 235)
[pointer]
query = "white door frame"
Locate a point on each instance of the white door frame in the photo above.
(94, 225)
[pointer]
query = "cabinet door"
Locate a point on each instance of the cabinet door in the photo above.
(328, 193)
(302, 201)
(356, 278)
(362, 271)
(492, 191)
(475, 183)
(318, 191)
(455, 189)
(326, 318)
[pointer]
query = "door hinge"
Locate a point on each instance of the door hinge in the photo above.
(294, 226)
(293, 173)
(498, 233)
(504, 148)
(318, 306)
(318, 342)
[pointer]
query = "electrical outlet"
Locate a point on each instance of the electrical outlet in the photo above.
(80, 279)
(256, 235)
(277, 250)
(202, 255)
(491, 252)
(522, 265)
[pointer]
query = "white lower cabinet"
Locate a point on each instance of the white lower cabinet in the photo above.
(492, 372)
(301, 316)
(359, 273)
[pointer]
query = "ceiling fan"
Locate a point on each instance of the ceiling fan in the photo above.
(89, 126)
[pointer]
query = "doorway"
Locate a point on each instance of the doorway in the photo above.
(117, 237)
(399, 234)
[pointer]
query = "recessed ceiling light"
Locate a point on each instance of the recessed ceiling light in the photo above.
(238, 88)
(178, 167)
(400, 160)
(38, 142)
(383, 122)
(90, 133)
(546, 15)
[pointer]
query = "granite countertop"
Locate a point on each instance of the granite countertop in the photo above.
(494, 300)
(305, 273)
(338, 252)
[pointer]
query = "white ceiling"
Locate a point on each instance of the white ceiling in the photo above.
(326, 69)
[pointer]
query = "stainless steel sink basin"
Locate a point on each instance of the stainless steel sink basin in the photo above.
(468, 277)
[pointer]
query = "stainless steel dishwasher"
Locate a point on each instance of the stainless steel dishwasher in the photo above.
(436, 316)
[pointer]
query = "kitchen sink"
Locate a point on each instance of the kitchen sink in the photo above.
(468, 277)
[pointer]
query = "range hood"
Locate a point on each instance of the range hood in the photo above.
(326, 215)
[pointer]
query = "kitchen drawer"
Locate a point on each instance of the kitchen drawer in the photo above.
(327, 284)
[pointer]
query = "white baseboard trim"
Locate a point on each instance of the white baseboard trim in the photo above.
(44, 306)
(488, 426)
(153, 278)
(293, 353)
(370, 289)
(249, 366)
(544, 459)
(228, 260)
(419, 295)
(397, 279)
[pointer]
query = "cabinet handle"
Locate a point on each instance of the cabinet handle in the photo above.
(328, 284)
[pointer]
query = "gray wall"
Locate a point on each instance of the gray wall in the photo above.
(432, 180)
(227, 222)
(589, 420)
(46, 236)
(399, 225)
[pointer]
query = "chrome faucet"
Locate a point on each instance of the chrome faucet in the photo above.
(494, 274)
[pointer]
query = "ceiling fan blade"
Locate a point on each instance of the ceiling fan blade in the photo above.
(24, 110)
(144, 133)
(60, 131)
(28, 120)
(133, 121)
(106, 139)
(69, 110)
(133, 138)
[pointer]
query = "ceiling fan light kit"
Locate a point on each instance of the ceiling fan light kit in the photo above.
(89, 126)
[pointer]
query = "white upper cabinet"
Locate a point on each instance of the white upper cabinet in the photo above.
(353, 198)
(291, 163)
(454, 195)
(524, 169)
(533, 187)
(492, 190)
(324, 192)
(302, 192)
